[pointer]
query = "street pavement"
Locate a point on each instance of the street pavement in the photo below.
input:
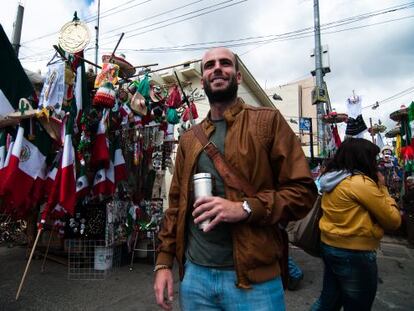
(132, 290)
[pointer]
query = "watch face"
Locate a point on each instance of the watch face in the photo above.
(74, 37)
(246, 207)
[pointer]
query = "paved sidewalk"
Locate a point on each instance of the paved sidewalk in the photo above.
(125, 290)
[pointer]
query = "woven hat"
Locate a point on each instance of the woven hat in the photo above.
(138, 104)
(25, 110)
(7, 121)
(105, 96)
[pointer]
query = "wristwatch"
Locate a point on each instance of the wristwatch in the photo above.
(247, 207)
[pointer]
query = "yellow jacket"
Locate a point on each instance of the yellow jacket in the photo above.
(355, 213)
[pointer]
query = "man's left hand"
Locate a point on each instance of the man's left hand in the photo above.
(217, 210)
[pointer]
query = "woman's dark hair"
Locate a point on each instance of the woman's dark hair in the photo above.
(356, 154)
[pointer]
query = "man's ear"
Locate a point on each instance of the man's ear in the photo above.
(239, 77)
(202, 83)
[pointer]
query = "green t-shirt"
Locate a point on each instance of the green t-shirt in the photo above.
(214, 248)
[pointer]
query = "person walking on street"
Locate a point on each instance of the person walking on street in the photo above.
(232, 263)
(356, 209)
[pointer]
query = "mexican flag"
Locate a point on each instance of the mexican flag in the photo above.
(3, 151)
(100, 149)
(62, 180)
(51, 175)
(24, 166)
(4, 167)
(104, 182)
(52, 188)
(38, 191)
(67, 193)
(82, 184)
(44, 143)
(99, 182)
(119, 163)
(3, 154)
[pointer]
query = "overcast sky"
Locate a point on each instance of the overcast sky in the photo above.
(373, 56)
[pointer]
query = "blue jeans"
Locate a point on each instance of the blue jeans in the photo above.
(206, 288)
(350, 279)
(294, 270)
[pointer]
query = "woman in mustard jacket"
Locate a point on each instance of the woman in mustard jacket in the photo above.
(356, 209)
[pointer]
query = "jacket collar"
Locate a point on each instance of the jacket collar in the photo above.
(229, 115)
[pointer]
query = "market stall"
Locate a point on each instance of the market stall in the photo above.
(97, 149)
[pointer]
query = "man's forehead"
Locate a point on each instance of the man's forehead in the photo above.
(217, 54)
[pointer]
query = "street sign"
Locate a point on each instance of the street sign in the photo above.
(305, 124)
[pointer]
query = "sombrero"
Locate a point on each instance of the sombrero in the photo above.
(393, 132)
(126, 69)
(6, 121)
(25, 110)
(400, 114)
(377, 128)
(335, 117)
(52, 126)
(138, 104)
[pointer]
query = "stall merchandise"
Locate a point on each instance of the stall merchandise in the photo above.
(102, 170)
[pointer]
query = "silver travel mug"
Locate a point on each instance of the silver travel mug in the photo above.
(203, 187)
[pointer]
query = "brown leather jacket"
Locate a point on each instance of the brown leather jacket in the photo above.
(261, 146)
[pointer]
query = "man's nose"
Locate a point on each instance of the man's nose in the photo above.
(217, 67)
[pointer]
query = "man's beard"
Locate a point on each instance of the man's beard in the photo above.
(228, 94)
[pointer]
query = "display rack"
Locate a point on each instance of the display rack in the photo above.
(92, 259)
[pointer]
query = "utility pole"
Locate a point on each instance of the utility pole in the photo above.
(319, 77)
(17, 29)
(97, 36)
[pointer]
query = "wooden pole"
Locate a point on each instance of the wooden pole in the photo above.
(89, 62)
(190, 113)
(28, 263)
(145, 66)
(116, 47)
(168, 67)
(42, 269)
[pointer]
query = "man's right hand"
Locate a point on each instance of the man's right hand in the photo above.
(164, 282)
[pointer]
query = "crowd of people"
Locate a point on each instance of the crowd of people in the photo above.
(239, 260)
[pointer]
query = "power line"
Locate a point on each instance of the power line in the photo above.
(153, 16)
(91, 20)
(38, 57)
(297, 34)
(192, 12)
(95, 16)
(206, 45)
(393, 97)
(181, 20)
(119, 11)
(305, 30)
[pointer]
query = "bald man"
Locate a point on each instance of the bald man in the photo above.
(233, 262)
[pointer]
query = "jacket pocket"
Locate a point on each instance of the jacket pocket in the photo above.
(258, 246)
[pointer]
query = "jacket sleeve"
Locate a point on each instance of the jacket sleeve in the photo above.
(167, 235)
(381, 206)
(294, 188)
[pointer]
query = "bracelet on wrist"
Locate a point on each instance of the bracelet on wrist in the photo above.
(161, 267)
